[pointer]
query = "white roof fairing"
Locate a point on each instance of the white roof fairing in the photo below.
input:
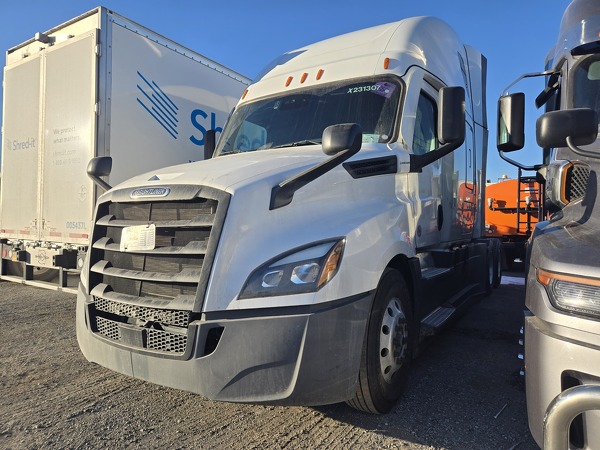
(426, 42)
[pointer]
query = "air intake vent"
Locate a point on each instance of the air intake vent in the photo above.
(372, 167)
(576, 182)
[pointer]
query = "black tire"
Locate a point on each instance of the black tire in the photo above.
(387, 350)
(497, 256)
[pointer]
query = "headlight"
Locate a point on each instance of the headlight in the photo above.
(302, 270)
(572, 293)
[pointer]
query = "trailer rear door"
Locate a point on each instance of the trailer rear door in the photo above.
(20, 149)
(69, 133)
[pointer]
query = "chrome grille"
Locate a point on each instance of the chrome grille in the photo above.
(146, 299)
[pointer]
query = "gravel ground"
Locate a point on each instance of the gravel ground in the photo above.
(464, 393)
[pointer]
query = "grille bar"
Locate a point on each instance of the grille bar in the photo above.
(191, 248)
(202, 220)
(181, 302)
(186, 275)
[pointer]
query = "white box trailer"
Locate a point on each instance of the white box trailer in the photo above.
(97, 85)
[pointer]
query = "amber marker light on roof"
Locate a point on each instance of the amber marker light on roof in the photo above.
(386, 63)
(320, 74)
(304, 77)
(244, 94)
(289, 81)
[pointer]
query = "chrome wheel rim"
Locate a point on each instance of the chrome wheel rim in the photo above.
(393, 340)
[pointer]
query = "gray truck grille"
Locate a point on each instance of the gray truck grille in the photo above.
(146, 299)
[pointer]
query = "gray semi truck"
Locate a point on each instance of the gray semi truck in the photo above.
(562, 320)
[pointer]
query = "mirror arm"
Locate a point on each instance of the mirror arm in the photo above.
(100, 183)
(580, 151)
(283, 193)
(210, 143)
(506, 90)
(518, 164)
(417, 162)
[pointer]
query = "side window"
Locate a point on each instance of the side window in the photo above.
(425, 136)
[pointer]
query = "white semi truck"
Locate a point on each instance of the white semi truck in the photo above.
(338, 224)
(562, 320)
(96, 85)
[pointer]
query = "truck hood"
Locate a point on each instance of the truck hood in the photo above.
(567, 244)
(228, 172)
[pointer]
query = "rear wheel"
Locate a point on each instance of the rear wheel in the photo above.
(39, 273)
(387, 350)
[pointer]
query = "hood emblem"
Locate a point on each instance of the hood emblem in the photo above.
(150, 192)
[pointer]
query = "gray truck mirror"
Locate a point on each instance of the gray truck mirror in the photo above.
(554, 128)
(511, 122)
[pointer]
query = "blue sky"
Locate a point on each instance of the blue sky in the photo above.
(515, 35)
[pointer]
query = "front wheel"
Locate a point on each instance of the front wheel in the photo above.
(387, 350)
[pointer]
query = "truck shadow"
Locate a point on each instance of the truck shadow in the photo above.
(464, 390)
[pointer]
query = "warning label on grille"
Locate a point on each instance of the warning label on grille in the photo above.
(138, 238)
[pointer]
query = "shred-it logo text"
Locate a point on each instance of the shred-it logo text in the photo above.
(163, 110)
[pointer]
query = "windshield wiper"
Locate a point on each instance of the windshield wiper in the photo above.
(298, 143)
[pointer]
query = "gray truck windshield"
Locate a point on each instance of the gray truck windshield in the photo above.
(586, 83)
(299, 118)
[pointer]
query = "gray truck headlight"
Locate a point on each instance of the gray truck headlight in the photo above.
(572, 293)
(302, 270)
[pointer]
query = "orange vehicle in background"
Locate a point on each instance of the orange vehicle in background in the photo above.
(514, 207)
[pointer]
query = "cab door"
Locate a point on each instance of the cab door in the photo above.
(429, 213)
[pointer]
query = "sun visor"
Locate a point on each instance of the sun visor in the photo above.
(579, 29)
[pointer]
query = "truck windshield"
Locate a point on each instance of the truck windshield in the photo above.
(586, 83)
(299, 117)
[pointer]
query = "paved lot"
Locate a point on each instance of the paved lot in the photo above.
(464, 393)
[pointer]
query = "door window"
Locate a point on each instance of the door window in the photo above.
(425, 136)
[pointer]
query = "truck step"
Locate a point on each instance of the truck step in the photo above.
(429, 273)
(434, 321)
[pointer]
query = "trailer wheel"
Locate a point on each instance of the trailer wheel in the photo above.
(39, 273)
(387, 350)
(497, 257)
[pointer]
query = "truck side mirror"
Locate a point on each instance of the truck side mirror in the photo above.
(210, 143)
(511, 123)
(557, 128)
(451, 127)
(451, 124)
(340, 137)
(100, 167)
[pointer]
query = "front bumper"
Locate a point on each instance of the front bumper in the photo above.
(559, 357)
(307, 356)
